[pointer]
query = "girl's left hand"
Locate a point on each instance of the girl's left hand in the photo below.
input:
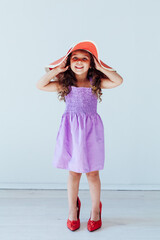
(97, 65)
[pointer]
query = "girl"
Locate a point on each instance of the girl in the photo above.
(79, 77)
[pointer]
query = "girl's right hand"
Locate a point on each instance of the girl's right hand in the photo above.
(61, 67)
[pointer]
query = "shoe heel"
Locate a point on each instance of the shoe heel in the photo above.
(79, 207)
(100, 209)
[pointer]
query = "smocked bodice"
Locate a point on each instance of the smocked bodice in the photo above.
(81, 100)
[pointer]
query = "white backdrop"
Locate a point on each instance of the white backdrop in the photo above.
(35, 33)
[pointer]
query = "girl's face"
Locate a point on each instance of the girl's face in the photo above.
(80, 62)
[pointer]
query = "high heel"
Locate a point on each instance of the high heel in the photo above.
(94, 225)
(75, 224)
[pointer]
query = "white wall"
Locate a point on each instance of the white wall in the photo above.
(35, 33)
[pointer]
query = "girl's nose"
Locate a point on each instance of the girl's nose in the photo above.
(79, 60)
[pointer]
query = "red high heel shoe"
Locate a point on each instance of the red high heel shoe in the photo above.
(75, 224)
(94, 225)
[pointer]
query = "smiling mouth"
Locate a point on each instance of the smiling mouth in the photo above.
(78, 67)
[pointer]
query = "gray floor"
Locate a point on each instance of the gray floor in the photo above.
(42, 214)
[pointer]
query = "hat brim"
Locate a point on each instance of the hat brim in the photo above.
(89, 46)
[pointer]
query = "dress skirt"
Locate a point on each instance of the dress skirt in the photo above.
(80, 143)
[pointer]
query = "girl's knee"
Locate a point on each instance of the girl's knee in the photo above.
(92, 174)
(75, 174)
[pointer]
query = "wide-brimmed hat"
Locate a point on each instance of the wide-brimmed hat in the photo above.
(87, 45)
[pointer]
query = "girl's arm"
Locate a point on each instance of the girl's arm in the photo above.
(114, 78)
(45, 84)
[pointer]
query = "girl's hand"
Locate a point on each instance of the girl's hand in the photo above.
(97, 65)
(61, 67)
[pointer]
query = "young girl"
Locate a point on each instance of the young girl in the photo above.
(79, 77)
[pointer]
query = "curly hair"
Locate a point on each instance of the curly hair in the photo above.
(67, 79)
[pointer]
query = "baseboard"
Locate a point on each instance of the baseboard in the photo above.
(82, 186)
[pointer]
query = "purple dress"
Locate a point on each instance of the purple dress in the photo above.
(80, 139)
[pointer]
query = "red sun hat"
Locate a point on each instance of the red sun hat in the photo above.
(87, 45)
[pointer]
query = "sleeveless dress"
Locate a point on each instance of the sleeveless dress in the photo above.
(80, 140)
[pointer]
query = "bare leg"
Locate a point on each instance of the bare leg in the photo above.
(73, 189)
(95, 191)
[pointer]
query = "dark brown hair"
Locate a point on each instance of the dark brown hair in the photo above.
(67, 79)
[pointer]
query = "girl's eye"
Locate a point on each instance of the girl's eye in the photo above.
(74, 58)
